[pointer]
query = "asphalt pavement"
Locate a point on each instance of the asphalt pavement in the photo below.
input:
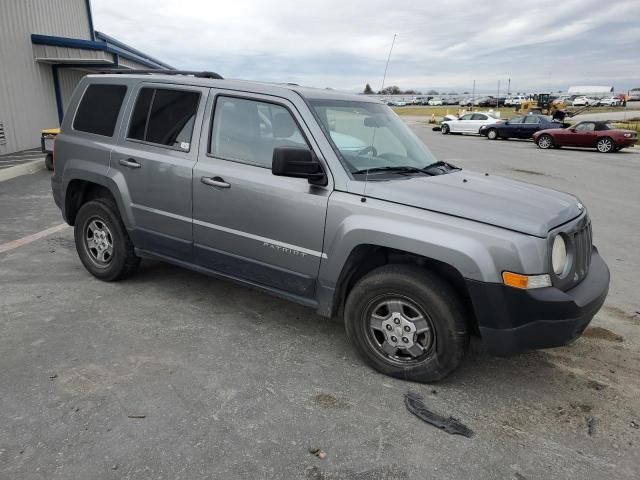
(176, 375)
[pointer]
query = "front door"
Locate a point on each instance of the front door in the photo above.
(248, 223)
(154, 157)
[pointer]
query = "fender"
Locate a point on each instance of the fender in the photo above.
(476, 251)
(112, 180)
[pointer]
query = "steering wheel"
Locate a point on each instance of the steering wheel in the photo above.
(368, 149)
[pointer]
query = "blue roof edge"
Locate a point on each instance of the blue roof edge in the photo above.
(106, 44)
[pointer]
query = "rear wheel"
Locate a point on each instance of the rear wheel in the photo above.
(445, 129)
(492, 134)
(407, 323)
(605, 145)
(102, 242)
(545, 141)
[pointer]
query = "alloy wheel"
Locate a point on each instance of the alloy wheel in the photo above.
(399, 330)
(605, 145)
(98, 241)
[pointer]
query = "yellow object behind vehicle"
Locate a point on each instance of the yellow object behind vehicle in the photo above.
(47, 138)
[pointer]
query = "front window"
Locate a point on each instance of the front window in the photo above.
(370, 136)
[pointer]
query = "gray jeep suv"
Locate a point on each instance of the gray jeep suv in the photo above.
(328, 200)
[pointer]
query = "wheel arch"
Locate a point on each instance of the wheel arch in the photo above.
(365, 258)
(81, 185)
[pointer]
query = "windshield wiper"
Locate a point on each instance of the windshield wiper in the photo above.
(390, 169)
(438, 168)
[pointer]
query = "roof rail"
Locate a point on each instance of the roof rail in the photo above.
(213, 75)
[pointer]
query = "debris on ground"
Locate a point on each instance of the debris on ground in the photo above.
(318, 452)
(634, 424)
(596, 385)
(136, 416)
(602, 334)
(591, 426)
(415, 405)
(53, 376)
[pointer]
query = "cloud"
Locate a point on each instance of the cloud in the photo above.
(344, 45)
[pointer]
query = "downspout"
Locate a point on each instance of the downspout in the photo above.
(56, 89)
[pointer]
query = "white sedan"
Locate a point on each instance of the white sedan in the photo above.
(609, 102)
(434, 102)
(469, 123)
(583, 102)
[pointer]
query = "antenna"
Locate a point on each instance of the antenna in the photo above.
(384, 77)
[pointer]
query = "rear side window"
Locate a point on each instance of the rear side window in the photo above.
(99, 109)
(164, 117)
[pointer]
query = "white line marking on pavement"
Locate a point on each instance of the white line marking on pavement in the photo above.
(5, 247)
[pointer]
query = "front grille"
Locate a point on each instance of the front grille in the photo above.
(582, 241)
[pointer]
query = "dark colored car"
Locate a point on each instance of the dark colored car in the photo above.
(523, 126)
(492, 102)
(602, 136)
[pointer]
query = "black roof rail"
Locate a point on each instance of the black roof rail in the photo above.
(197, 74)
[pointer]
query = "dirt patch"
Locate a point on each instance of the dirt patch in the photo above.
(617, 312)
(528, 172)
(325, 400)
(602, 334)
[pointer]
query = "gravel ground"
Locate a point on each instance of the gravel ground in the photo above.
(175, 375)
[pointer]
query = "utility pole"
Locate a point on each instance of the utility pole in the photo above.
(509, 87)
(384, 77)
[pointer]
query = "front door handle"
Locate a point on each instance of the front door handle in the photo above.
(129, 163)
(215, 182)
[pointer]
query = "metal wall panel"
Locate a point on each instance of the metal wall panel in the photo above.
(68, 81)
(27, 99)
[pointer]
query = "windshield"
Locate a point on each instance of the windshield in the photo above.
(369, 136)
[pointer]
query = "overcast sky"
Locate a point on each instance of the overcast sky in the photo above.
(544, 44)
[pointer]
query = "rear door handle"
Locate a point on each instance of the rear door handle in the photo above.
(129, 162)
(215, 182)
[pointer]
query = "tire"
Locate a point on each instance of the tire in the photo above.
(102, 242)
(438, 340)
(48, 161)
(606, 145)
(445, 129)
(545, 141)
(492, 134)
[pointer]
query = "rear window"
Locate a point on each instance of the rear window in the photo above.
(164, 117)
(99, 109)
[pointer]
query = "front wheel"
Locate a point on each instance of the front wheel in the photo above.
(605, 145)
(492, 134)
(545, 141)
(445, 129)
(407, 323)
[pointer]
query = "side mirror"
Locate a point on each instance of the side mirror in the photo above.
(572, 129)
(297, 162)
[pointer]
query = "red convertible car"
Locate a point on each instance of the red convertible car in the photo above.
(590, 134)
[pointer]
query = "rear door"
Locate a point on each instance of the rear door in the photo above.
(249, 223)
(155, 157)
(463, 124)
(477, 120)
(529, 126)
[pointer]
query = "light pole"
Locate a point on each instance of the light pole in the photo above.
(473, 95)
(498, 96)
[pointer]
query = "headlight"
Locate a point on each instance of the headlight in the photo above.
(627, 135)
(559, 255)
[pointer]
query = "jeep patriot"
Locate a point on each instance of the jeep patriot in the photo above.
(328, 200)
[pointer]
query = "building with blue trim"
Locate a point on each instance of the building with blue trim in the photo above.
(46, 47)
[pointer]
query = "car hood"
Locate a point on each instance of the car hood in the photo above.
(493, 200)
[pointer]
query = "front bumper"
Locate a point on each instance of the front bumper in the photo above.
(512, 320)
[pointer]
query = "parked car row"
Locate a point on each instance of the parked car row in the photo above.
(545, 132)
